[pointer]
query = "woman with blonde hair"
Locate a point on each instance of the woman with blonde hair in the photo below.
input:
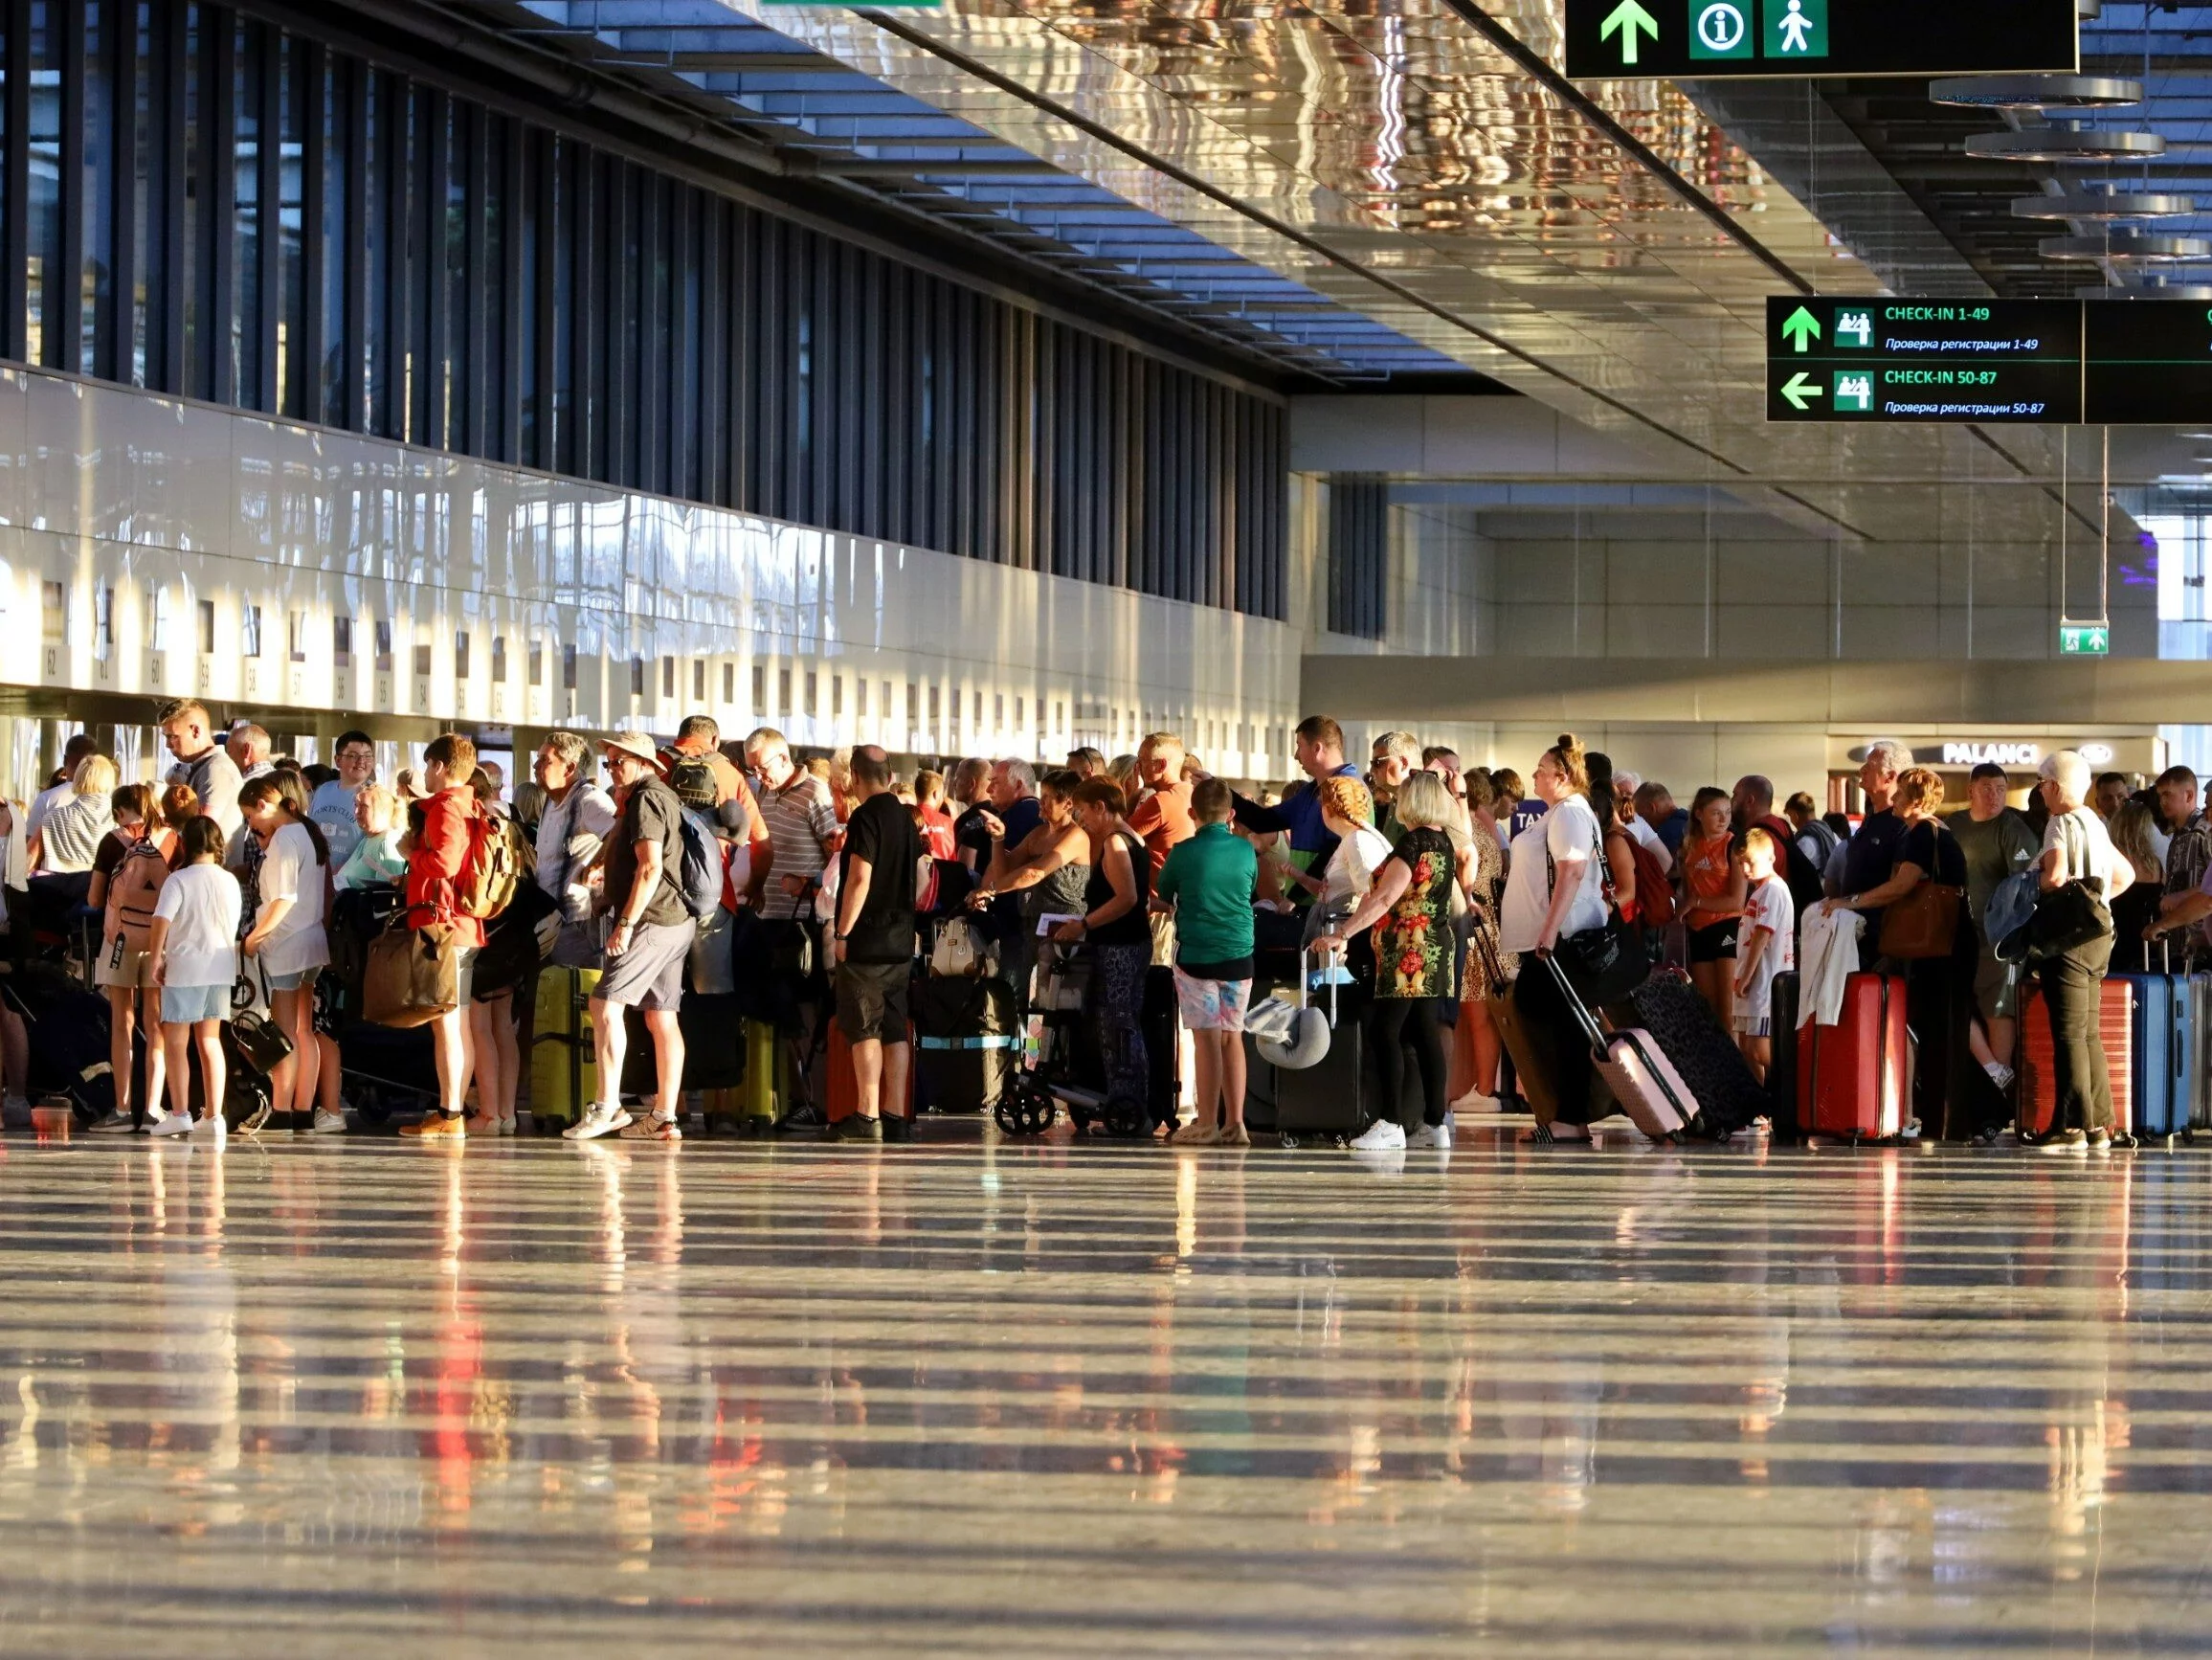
(68, 839)
(1410, 907)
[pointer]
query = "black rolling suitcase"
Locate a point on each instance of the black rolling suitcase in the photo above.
(1783, 1065)
(1729, 1100)
(1327, 1102)
(964, 1043)
(713, 1047)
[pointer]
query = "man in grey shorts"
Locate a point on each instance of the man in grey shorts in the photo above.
(646, 947)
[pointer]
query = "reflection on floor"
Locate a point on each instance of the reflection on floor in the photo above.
(534, 1398)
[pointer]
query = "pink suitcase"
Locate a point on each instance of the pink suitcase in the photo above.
(1643, 1080)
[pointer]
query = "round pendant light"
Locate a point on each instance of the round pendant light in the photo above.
(2064, 143)
(2104, 206)
(2036, 92)
(2124, 248)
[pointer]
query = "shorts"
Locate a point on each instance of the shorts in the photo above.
(1715, 943)
(1212, 1005)
(1995, 988)
(871, 998)
(1754, 1025)
(183, 1005)
(649, 974)
(302, 981)
(135, 968)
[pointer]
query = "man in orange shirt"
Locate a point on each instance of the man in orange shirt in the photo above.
(1163, 818)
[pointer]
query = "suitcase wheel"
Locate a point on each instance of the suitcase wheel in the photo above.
(1129, 1120)
(2189, 1137)
(1080, 1117)
(1288, 1140)
(2122, 1141)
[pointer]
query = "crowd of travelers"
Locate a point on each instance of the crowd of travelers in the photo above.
(249, 912)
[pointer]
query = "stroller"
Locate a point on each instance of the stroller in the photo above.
(1060, 1063)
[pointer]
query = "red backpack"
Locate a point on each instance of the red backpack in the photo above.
(1654, 888)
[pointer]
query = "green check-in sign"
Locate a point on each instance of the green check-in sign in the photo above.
(1809, 38)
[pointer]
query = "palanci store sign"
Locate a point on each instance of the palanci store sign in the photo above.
(2015, 754)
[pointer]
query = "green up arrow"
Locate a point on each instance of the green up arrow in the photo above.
(1796, 388)
(1802, 327)
(1627, 18)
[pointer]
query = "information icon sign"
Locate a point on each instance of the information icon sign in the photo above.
(1720, 28)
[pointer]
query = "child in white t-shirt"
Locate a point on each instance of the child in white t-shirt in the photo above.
(193, 943)
(1766, 945)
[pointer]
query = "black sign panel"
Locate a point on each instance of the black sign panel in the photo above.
(1924, 360)
(1683, 39)
(2150, 361)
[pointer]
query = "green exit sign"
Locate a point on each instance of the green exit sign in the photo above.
(2085, 640)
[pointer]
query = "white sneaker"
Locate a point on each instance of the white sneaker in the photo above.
(602, 1118)
(115, 1123)
(1382, 1136)
(1430, 1136)
(211, 1128)
(171, 1124)
(1475, 1101)
(328, 1123)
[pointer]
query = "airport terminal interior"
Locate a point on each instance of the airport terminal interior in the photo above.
(1105, 827)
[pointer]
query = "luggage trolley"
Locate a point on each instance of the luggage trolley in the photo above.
(1059, 1064)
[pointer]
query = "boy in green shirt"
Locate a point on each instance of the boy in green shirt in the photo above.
(1208, 882)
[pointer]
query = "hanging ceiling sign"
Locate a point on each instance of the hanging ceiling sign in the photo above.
(1683, 39)
(2038, 362)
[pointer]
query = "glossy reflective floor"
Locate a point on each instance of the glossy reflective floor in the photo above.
(364, 1397)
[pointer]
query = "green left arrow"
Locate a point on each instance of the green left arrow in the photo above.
(1796, 388)
(1802, 328)
(1626, 19)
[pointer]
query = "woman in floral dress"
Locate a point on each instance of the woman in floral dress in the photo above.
(1410, 908)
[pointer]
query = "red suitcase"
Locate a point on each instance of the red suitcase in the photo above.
(1853, 1077)
(2039, 1090)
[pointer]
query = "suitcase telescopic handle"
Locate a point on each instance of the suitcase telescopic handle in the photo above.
(1322, 959)
(1575, 1005)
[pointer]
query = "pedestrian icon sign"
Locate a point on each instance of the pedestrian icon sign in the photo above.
(1855, 328)
(1796, 29)
(1720, 28)
(1854, 392)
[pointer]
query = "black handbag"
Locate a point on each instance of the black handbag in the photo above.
(1606, 962)
(2070, 915)
(261, 1044)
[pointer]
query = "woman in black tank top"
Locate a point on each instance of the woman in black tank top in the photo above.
(1116, 925)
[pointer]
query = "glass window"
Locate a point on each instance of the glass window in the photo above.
(537, 663)
(567, 668)
(384, 647)
(637, 677)
(729, 683)
(668, 676)
(422, 660)
(499, 659)
(44, 272)
(698, 680)
(250, 630)
(157, 618)
(295, 629)
(207, 627)
(342, 641)
(460, 655)
(243, 333)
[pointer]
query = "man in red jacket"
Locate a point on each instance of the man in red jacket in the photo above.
(449, 813)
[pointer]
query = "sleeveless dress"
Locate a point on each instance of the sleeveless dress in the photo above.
(1489, 889)
(1414, 942)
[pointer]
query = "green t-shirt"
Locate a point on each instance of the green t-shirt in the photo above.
(1210, 880)
(1995, 849)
